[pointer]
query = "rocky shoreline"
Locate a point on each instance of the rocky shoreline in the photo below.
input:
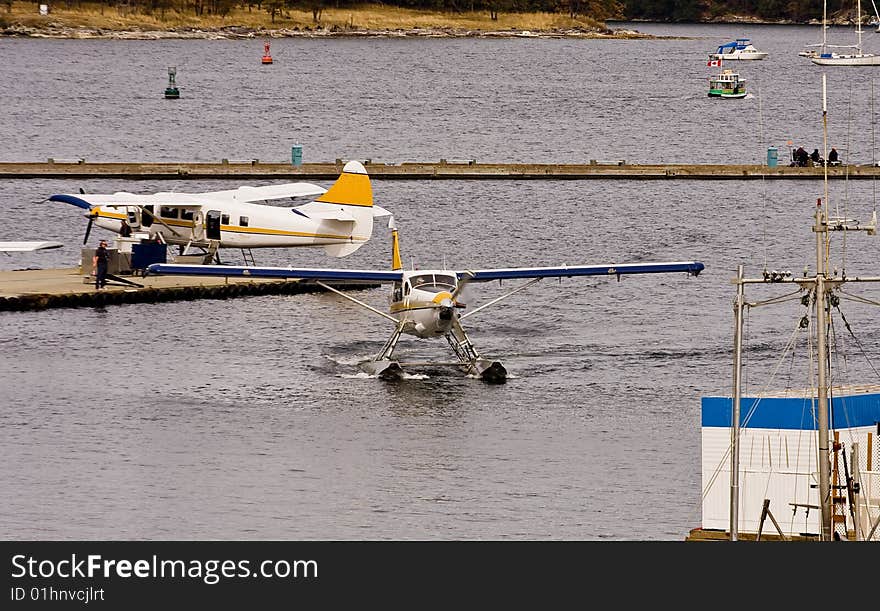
(232, 32)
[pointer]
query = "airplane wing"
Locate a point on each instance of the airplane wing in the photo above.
(87, 201)
(565, 271)
(293, 273)
(27, 246)
(267, 192)
(242, 194)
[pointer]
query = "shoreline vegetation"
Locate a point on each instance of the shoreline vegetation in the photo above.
(84, 19)
(87, 20)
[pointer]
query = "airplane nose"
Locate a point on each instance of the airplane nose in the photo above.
(447, 307)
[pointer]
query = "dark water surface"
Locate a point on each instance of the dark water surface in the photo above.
(246, 418)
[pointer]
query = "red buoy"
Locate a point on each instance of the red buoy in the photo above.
(267, 59)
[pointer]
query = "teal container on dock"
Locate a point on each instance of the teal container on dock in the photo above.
(772, 156)
(296, 154)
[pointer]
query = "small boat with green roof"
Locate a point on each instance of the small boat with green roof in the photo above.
(728, 84)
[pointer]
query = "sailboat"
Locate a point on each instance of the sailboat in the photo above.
(876, 21)
(805, 459)
(833, 58)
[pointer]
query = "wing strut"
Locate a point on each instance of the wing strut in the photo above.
(360, 303)
(504, 296)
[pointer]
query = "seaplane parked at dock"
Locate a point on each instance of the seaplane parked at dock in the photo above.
(426, 303)
(340, 219)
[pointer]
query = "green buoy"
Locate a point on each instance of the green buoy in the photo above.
(171, 91)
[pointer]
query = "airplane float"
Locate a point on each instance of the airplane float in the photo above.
(28, 246)
(425, 302)
(340, 219)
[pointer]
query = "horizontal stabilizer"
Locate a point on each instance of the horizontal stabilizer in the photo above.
(341, 250)
(315, 210)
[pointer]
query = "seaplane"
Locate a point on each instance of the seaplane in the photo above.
(340, 219)
(426, 303)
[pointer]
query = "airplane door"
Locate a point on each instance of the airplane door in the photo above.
(147, 215)
(198, 227)
(212, 225)
(134, 219)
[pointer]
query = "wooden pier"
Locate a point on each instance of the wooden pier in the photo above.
(44, 289)
(443, 169)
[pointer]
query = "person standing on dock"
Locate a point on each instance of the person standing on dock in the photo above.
(100, 262)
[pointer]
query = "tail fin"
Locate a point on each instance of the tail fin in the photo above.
(353, 190)
(395, 247)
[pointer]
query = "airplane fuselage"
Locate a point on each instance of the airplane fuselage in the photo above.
(424, 301)
(240, 225)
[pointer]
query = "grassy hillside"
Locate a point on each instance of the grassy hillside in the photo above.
(17, 16)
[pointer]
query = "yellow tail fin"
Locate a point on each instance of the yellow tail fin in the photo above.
(395, 251)
(352, 188)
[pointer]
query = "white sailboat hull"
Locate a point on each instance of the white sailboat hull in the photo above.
(864, 59)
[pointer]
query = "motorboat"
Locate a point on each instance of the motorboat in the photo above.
(741, 48)
(728, 84)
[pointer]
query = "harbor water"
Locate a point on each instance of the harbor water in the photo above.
(247, 418)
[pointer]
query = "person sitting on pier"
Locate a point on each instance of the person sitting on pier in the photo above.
(832, 157)
(815, 157)
(801, 157)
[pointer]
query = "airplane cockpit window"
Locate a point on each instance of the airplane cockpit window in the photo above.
(224, 219)
(396, 292)
(446, 283)
(168, 212)
(243, 221)
(432, 283)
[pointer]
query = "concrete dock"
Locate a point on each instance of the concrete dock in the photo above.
(44, 289)
(443, 169)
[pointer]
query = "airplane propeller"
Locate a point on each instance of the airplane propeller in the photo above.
(89, 228)
(91, 220)
(461, 286)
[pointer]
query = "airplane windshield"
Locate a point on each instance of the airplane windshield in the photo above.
(432, 283)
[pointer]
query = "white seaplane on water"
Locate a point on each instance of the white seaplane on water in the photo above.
(340, 219)
(425, 302)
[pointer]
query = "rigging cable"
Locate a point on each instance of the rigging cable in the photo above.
(846, 179)
(873, 153)
(763, 174)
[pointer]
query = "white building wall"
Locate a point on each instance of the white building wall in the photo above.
(775, 464)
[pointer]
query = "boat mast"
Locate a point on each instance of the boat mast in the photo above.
(737, 394)
(859, 25)
(821, 230)
(824, 25)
